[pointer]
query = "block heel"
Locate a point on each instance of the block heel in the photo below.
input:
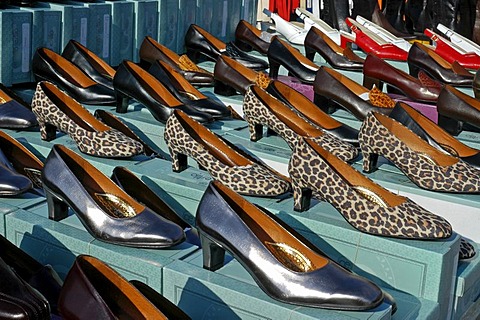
(369, 82)
(213, 254)
(452, 126)
(413, 70)
(310, 53)
(370, 160)
(48, 132)
(274, 68)
(122, 102)
(327, 105)
(243, 46)
(256, 131)
(179, 161)
(224, 89)
(301, 197)
(57, 208)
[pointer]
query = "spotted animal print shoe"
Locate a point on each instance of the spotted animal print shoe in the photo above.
(55, 109)
(467, 250)
(240, 172)
(262, 109)
(364, 204)
(425, 165)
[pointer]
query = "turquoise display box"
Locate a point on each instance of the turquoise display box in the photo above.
(231, 293)
(168, 22)
(122, 31)
(146, 13)
(4, 210)
(16, 46)
(186, 17)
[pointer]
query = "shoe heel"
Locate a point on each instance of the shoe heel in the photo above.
(213, 254)
(301, 197)
(271, 132)
(370, 160)
(452, 126)
(274, 67)
(324, 103)
(243, 46)
(310, 53)
(224, 89)
(413, 70)
(57, 208)
(179, 161)
(48, 132)
(256, 131)
(122, 102)
(193, 55)
(144, 64)
(369, 82)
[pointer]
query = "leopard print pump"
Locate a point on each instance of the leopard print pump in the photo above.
(467, 250)
(262, 109)
(185, 136)
(55, 109)
(427, 167)
(365, 205)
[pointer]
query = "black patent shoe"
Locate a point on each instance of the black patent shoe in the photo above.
(43, 278)
(50, 66)
(434, 134)
(186, 93)
(275, 258)
(131, 81)
(107, 212)
(14, 112)
(18, 299)
(90, 63)
(139, 191)
(200, 43)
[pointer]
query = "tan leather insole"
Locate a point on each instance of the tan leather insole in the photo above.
(306, 107)
(94, 181)
(121, 297)
(18, 154)
(300, 57)
(240, 68)
(415, 142)
(181, 84)
(153, 86)
(169, 53)
(215, 146)
(219, 45)
(474, 103)
(4, 97)
(98, 63)
(444, 63)
(264, 227)
(257, 32)
(353, 177)
(438, 134)
(350, 84)
(69, 70)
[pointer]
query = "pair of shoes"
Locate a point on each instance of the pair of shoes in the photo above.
(248, 38)
(201, 43)
(108, 295)
(262, 109)
(291, 32)
(376, 71)
(225, 162)
(334, 90)
(318, 42)
(14, 112)
(131, 81)
(50, 66)
(420, 57)
(108, 213)
(151, 51)
(232, 77)
(280, 53)
(55, 109)
(275, 258)
(365, 205)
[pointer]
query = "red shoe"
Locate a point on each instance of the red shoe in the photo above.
(448, 51)
(371, 43)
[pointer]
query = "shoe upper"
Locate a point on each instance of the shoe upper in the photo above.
(457, 105)
(252, 36)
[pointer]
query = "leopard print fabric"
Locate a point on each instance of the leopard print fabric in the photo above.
(252, 179)
(375, 138)
(308, 170)
(467, 250)
(109, 143)
(256, 112)
(380, 99)
(262, 80)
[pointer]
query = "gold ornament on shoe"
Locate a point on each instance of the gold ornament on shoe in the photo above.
(290, 257)
(115, 206)
(188, 65)
(371, 196)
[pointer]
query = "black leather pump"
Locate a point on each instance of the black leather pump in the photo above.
(14, 112)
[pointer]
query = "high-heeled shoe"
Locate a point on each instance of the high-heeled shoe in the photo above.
(376, 71)
(232, 77)
(200, 42)
(467, 250)
(291, 32)
(308, 110)
(151, 51)
(421, 57)
(365, 205)
(262, 109)
(17, 157)
(90, 63)
(131, 81)
(43, 278)
(249, 38)
(317, 42)
(139, 191)
(14, 112)
(371, 43)
(186, 137)
(226, 221)
(186, 93)
(458, 40)
(457, 111)
(333, 90)
(451, 53)
(56, 110)
(107, 212)
(281, 53)
(107, 294)
(424, 165)
(434, 134)
(50, 66)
